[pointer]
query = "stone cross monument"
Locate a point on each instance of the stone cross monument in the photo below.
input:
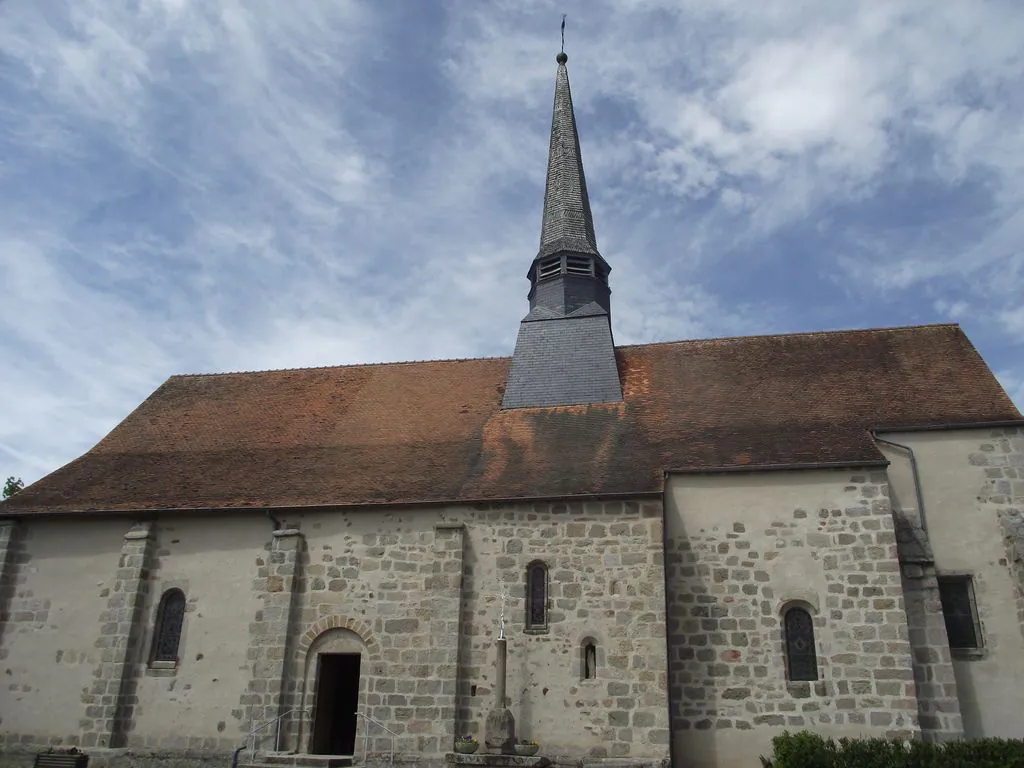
(500, 729)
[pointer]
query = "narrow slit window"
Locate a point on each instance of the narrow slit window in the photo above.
(959, 612)
(589, 660)
(167, 634)
(549, 267)
(537, 596)
(801, 657)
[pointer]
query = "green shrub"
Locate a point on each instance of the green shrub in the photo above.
(809, 750)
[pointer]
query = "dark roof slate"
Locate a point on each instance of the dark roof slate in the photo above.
(434, 431)
(564, 361)
(567, 224)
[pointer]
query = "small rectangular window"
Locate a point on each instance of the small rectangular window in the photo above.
(960, 612)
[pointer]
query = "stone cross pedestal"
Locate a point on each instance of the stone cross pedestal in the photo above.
(500, 728)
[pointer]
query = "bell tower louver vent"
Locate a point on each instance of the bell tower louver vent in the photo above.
(579, 265)
(550, 267)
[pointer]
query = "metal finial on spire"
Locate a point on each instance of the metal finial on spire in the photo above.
(561, 58)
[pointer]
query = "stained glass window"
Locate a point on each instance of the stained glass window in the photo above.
(169, 618)
(801, 658)
(537, 596)
(958, 611)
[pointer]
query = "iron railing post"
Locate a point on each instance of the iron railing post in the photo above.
(366, 736)
(263, 726)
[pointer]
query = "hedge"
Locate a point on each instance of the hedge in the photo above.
(809, 750)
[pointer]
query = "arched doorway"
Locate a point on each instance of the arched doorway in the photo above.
(334, 682)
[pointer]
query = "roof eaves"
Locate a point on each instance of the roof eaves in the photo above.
(810, 465)
(951, 426)
(263, 508)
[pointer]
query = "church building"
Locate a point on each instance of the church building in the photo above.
(686, 547)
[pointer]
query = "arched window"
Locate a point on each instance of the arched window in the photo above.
(589, 659)
(167, 633)
(536, 595)
(801, 658)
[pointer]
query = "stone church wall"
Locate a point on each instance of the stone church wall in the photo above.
(606, 584)
(388, 582)
(973, 486)
(415, 591)
(743, 546)
(423, 586)
(59, 578)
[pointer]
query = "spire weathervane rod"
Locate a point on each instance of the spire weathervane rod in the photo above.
(563, 33)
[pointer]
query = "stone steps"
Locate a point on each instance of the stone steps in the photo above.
(287, 760)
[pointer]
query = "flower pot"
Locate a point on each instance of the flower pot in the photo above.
(527, 750)
(467, 747)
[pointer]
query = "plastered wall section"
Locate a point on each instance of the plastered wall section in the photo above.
(196, 704)
(973, 487)
(62, 577)
(741, 546)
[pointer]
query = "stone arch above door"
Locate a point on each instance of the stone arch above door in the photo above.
(360, 628)
(330, 635)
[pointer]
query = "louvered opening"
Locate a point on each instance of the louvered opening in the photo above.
(579, 265)
(549, 267)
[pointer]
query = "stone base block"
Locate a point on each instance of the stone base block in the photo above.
(500, 731)
(497, 761)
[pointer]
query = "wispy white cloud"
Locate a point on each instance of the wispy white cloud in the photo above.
(196, 185)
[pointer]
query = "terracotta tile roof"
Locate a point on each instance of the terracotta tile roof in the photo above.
(434, 431)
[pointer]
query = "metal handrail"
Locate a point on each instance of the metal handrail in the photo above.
(263, 726)
(366, 738)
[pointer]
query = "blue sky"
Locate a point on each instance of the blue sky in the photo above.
(217, 185)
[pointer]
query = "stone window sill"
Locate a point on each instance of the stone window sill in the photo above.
(536, 631)
(805, 689)
(162, 669)
(968, 654)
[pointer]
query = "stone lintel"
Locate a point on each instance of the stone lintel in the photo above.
(139, 532)
(449, 526)
(286, 540)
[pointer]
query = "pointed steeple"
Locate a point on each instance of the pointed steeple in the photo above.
(564, 352)
(568, 223)
(568, 272)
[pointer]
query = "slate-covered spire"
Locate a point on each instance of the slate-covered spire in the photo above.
(564, 352)
(568, 223)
